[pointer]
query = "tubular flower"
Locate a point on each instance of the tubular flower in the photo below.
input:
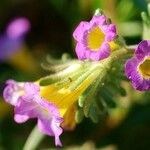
(29, 104)
(49, 104)
(95, 38)
(137, 68)
(54, 97)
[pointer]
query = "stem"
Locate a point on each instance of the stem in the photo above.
(33, 139)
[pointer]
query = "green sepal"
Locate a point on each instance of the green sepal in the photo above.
(70, 73)
(98, 12)
(55, 65)
(85, 96)
(49, 80)
(88, 97)
(81, 100)
(54, 68)
(64, 58)
(97, 110)
(107, 96)
(79, 115)
(120, 41)
(94, 112)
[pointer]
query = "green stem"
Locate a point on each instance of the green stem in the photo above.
(34, 139)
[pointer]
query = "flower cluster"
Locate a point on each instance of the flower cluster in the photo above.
(52, 99)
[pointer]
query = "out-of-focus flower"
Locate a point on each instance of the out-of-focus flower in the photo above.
(29, 104)
(13, 49)
(13, 38)
(95, 39)
(137, 68)
(18, 28)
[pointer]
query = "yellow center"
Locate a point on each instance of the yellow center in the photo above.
(144, 68)
(95, 38)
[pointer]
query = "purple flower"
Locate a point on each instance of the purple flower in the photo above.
(28, 104)
(94, 38)
(12, 39)
(137, 68)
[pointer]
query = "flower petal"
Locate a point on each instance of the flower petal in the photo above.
(93, 38)
(12, 92)
(130, 67)
(99, 20)
(80, 51)
(103, 52)
(31, 88)
(143, 49)
(131, 70)
(78, 33)
(48, 116)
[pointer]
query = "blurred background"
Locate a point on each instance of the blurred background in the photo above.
(50, 24)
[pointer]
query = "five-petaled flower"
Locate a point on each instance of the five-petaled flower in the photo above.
(137, 68)
(95, 39)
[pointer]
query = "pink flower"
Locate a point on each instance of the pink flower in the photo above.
(28, 104)
(94, 38)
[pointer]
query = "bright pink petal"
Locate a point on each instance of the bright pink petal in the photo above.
(79, 31)
(80, 34)
(12, 92)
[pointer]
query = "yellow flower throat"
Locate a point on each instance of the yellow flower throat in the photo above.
(144, 68)
(95, 38)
